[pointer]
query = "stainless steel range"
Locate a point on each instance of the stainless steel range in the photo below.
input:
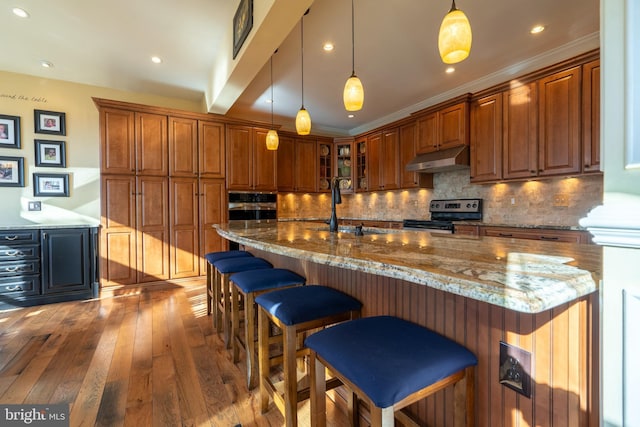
(444, 213)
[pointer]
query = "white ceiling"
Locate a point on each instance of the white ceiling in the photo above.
(109, 44)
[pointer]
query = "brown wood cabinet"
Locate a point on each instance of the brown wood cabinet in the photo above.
(183, 147)
(382, 160)
(444, 128)
(184, 248)
(520, 137)
(553, 235)
(550, 125)
(297, 164)
(591, 116)
(326, 169)
(158, 168)
(486, 138)
(344, 161)
(250, 166)
(559, 114)
(466, 230)
(407, 143)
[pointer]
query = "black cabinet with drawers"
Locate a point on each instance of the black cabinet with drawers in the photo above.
(40, 266)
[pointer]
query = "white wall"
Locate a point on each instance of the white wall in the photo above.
(20, 95)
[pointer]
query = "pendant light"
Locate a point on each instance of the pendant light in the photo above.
(272, 135)
(353, 95)
(454, 40)
(303, 120)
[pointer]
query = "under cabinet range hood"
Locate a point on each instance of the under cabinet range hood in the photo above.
(440, 161)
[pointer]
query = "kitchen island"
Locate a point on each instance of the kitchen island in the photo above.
(538, 296)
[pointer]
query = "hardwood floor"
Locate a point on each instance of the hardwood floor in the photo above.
(141, 356)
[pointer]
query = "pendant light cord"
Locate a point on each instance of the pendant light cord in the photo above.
(302, 57)
(353, 49)
(271, 73)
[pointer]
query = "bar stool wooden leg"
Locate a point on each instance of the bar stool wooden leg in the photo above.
(235, 322)
(210, 292)
(225, 298)
(317, 393)
(290, 377)
(263, 360)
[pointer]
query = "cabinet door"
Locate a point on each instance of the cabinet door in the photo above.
(389, 160)
(559, 115)
(213, 208)
(66, 260)
(117, 141)
(520, 132)
(183, 147)
(211, 145)
(239, 158)
(305, 165)
(265, 163)
(152, 229)
(486, 139)
(407, 144)
(591, 116)
(427, 134)
(183, 219)
(374, 148)
(453, 126)
(118, 234)
(286, 160)
(325, 165)
(151, 144)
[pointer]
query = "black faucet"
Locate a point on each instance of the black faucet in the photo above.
(336, 199)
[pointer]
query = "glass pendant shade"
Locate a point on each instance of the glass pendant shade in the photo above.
(303, 122)
(272, 140)
(454, 40)
(353, 95)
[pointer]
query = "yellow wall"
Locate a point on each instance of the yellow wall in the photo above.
(20, 95)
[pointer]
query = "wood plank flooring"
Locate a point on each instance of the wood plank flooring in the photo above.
(140, 356)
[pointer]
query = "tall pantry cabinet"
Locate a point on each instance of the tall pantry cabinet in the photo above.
(162, 183)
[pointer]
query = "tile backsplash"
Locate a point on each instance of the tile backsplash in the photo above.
(557, 202)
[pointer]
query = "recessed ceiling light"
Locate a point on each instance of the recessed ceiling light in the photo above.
(20, 12)
(46, 64)
(537, 29)
(351, 116)
(450, 70)
(328, 46)
(156, 59)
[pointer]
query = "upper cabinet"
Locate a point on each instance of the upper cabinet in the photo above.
(183, 147)
(445, 128)
(407, 142)
(211, 149)
(151, 144)
(297, 164)
(344, 164)
(591, 116)
(547, 125)
(559, 114)
(250, 166)
(383, 160)
(325, 165)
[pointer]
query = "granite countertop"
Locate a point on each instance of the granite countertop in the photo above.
(528, 276)
(28, 225)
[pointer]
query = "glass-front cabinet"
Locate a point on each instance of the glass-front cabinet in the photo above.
(344, 165)
(325, 162)
(361, 183)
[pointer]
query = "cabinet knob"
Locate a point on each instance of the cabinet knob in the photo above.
(540, 170)
(533, 172)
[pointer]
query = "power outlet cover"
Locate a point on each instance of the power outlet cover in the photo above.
(35, 206)
(515, 368)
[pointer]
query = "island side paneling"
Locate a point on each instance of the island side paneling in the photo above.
(563, 343)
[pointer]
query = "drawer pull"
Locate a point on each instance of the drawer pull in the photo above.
(14, 288)
(14, 253)
(505, 235)
(10, 237)
(548, 238)
(11, 269)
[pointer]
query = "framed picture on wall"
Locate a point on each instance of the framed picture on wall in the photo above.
(11, 171)
(51, 185)
(9, 131)
(50, 153)
(242, 24)
(49, 122)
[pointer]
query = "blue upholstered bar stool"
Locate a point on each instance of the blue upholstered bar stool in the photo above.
(226, 267)
(248, 285)
(295, 311)
(390, 363)
(214, 277)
